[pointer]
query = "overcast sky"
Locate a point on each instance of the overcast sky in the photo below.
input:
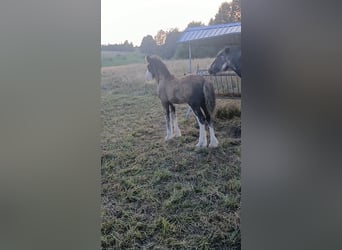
(133, 19)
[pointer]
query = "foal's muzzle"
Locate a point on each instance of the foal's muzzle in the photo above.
(213, 70)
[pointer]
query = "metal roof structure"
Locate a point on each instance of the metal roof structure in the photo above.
(202, 32)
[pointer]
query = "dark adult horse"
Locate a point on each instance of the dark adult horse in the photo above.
(227, 58)
(192, 89)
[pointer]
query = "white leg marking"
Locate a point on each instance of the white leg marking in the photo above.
(168, 129)
(168, 135)
(202, 141)
(176, 129)
(171, 127)
(213, 139)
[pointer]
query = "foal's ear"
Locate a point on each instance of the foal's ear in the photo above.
(147, 58)
(227, 50)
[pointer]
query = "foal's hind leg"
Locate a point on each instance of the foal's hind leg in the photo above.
(176, 130)
(213, 140)
(202, 141)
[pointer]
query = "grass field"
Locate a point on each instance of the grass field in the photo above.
(165, 195)
(116, 58)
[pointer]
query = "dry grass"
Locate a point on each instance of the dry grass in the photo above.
(165, 195)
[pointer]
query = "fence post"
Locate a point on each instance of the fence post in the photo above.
(190, 70)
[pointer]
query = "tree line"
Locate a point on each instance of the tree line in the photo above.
(164, 43)
(126, 46)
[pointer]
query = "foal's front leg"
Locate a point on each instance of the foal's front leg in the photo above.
(176, 130)
(167, 120)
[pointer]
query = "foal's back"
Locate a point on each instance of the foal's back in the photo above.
(193, 86)
(182, 90)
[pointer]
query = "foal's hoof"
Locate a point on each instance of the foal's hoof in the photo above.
(168, 137)
(213, 145)
(178, 134)
(213, 142)
(201, 145)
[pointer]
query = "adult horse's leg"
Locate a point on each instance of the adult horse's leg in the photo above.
(167, 119)
(176, 130)
(202, 140)
(213, 140)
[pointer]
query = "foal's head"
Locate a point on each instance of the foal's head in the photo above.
(156, 69)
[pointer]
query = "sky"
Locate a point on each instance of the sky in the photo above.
(134, 19)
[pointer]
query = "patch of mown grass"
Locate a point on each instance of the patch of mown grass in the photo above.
(178, 197)
(161, 176)
(165, 227)
(165, 195)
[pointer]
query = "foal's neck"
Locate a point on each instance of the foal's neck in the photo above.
(163, 77)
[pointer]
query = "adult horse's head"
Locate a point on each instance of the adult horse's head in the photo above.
(227, 58)
(156, 69)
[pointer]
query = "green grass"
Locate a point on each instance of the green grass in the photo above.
(114, 58)
(165, 195)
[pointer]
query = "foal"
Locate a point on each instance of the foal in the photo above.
(193, 90)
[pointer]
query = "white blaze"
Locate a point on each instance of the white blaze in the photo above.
(148, 76)
(223, 66)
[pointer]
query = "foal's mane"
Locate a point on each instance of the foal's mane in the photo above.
(160, 67)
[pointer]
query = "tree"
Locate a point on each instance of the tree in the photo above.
(195, 24)
(169, 47)
(148, 45)
(236, 11)
(126, 46)
(228, 13)
(160, 37)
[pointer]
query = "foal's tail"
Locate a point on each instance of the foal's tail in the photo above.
(209, 96)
